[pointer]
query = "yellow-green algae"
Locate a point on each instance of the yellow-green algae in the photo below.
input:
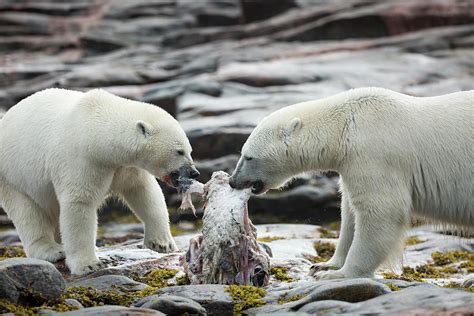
(158, 278)
(280, 274)
(246, 296)
(11, 252)
(89, 296)
(393, 287)
(286, 299)
(443, 266)
(270, 238)
(448, 257)
(326, 233)
(413, 241)
(325, 251)
(456, 285)
(183, 280)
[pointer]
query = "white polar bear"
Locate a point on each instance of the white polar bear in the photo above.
(397, 156)
(62, 152)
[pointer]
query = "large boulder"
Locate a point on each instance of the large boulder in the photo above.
(171, 305)
(30, 280)
(108, 282)
(112, 310)
(211, 296)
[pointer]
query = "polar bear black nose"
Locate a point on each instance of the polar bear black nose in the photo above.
(194, 174)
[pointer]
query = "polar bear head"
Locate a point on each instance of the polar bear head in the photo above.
(268, 155)
(164, 149)
(130, 133)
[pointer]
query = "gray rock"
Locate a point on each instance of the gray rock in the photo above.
(315, 307)
(27, 279)
(352, 290)
(414, 300)
(72, 302)
(211, 296)
(108, 282)
(111, 310)
(171, 305)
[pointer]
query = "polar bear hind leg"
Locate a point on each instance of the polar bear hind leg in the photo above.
(38, 239)
(381, 221)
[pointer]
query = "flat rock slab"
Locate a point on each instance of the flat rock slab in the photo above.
(107, 282)
(29, 279)
(411, 301)
(212, 296)
(170, 304)
(113, 310)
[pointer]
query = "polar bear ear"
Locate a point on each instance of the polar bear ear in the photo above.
(294, 126)
(144, 128)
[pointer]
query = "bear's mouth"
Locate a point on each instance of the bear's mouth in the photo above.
(171, 179)
(174, 177)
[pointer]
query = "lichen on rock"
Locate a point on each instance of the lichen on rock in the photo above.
(246, 296)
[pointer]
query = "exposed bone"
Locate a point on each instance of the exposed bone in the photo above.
(227, 252)
(187, 187)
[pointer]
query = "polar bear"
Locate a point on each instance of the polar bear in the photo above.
(397, 156)
(62, 152)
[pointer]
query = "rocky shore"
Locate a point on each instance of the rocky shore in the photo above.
(219, 67)
(142, 281)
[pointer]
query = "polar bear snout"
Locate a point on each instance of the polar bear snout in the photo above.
(257, 186)
(189, 171)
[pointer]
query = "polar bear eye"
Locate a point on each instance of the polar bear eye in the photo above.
(180, 152)
(248, 158)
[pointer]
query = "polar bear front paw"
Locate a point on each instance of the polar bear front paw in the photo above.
(48, 252)
(330, 275)
(323, 266)
(84, 267)
(162, 245)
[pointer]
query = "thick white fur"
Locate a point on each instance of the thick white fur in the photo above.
(62, 152)
(397, 156)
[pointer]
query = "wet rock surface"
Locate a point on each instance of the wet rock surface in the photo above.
(170, 304)
(221, 66)
(142, 278)
(24, 279)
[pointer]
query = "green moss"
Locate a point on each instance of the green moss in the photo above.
(11, 252)
(335, 225)
(393, 287)
(448, 257)
(280, 274)
(157, 278)
(246, 296)
(183, 280)
(7, 307)
(286, 299)
(456, 285)
(443, 266)
(89, 296)
(18, 309)
(413, 241)
(270, 238)
(326, 233)
(468, 265)
(325, 251)
(176, 231)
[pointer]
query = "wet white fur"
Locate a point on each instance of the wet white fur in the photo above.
(397, 155)
(62, 152)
